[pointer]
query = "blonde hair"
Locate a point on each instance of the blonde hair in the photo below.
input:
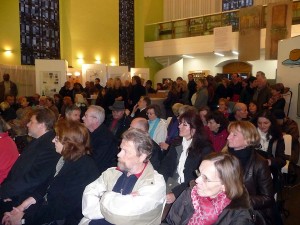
(248, 131)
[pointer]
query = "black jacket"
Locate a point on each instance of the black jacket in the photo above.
(34, 167)
(169, 164)
(104, 148)
(258, 182)
(64, 193)
(238, 212)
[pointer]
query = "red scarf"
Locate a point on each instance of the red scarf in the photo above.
(207, 209)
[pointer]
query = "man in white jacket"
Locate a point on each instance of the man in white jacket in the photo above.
(132, 193)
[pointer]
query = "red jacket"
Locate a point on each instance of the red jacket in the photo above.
(8, 155)
(218, 140)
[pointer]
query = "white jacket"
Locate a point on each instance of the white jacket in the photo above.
(99, 201)
(161, 132)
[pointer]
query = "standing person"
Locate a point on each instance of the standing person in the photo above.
(262, 94)
(103, 143)
(181, 161)
(60, 200)
(137, 91)
(132, 193)
(35, 166)
(201, 97)
(277, 101)
(97, 84)
(8, 151)
(66, 90)
(218, 197)
(7, 87)
(235, 87)
(242, 140)
(191, 87)
(172, 98)
(239, 112)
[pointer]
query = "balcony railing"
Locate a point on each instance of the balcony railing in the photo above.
(203, 25)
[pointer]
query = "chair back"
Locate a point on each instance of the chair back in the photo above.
(288, 144)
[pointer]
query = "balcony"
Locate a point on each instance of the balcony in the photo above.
(203, 25)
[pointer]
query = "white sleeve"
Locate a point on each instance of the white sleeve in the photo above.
(147, 199)
(91, 199)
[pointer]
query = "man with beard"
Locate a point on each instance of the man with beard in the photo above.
(132, 193)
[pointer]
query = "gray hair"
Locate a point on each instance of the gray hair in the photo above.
(141, 141)
(238, 106)
(98, 112)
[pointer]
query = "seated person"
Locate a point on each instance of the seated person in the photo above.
(118, 122)
(218, 196)
(9, 152)
(139, 110)
(157, 126)
(35, 166)
(132, 193)
(73, 113)
(8, 109)
(61, 198)
(239, 112)
(217, 132)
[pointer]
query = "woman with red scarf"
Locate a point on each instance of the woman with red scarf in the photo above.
(217, 198)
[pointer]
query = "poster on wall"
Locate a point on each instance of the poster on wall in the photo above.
(50, 82)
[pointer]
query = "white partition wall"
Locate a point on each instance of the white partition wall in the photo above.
(92, 71)
(117, 71)
(141, 72)
(50, 75)
(288, 72)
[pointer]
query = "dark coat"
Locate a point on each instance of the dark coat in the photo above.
(258, 182)
(237, 212)
(34, 167)
(169, 164)
(122, 125)
(142, 114)
(64, 193)
(104, 148)
(136, 92)
(13, 90)
(263, 97)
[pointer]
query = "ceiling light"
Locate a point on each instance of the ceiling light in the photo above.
(188, 56)
(219, 54)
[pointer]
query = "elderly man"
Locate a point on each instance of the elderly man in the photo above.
(104, 144)
(73, 113)
(240, 112)
(132, 193)
(262, 94)
(35, 166)
(118, 122)
(7, 87)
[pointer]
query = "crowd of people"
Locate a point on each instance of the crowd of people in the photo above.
(215, 157)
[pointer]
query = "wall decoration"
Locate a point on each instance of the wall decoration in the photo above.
(39, 30)
(294, 58)
(235, 4)
(249, 33)
(50, 82)
(279, 23)
(126, 33)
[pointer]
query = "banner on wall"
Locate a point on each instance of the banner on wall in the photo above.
(222, 39)
(249, 34)
(279, 23)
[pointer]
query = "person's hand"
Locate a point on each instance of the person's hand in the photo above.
(127, 112)
(13, 217)
(170, 198)
(163, 146)
(135, 108)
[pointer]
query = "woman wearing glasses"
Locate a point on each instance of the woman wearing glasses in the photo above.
(61, 198)
(217, 198)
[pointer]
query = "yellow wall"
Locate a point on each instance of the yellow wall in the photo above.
(89, 29)
(146, 11)
(10, 32)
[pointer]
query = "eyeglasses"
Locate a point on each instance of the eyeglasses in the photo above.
(204, 178)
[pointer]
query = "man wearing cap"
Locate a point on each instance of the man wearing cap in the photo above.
(118, 122)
